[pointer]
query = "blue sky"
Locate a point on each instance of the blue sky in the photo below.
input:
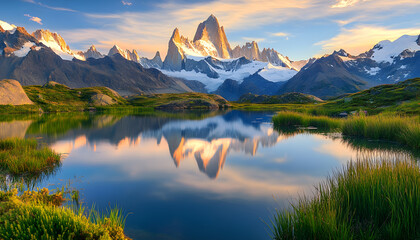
(296, 28)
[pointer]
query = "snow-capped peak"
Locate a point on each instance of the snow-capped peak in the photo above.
(386, 51)
(57, 44)
(7, 27)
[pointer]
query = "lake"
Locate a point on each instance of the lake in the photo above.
(189, 175)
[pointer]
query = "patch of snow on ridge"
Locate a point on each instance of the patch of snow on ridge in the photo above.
(373, 71)
(8, 27)
(24, 50)
(387, 50)
(276, 73)
(211, 83)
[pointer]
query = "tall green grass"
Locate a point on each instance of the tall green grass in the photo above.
(402, 129)
(294, 119)
(375, 197)
(24, 156)
(405, 130)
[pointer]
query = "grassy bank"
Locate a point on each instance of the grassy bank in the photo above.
(405, 130)
(368, 199)
(293, 119)
(19, 156)
(402, 129)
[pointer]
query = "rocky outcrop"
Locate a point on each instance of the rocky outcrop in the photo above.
(52, 84)
(11, 92)
(211, 31)
(249, 50)
(209, 40)
(175, 56)
(252, 52)
(100, 99)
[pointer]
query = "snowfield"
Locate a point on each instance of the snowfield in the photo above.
(388, 50)
(268, 71)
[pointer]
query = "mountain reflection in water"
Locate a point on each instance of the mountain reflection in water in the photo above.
(208, 141)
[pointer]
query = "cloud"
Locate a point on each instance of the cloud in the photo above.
(50, 7)
(363, 37)
(280, 34)
(150, 31)
(34, 19)
(250, 39)
(344, 3)
(126, 3)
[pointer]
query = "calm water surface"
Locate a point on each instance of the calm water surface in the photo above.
(186, 176)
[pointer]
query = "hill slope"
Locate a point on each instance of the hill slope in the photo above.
(286, 98)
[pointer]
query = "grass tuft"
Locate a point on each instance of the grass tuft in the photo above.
(368, 199)
(24, 156)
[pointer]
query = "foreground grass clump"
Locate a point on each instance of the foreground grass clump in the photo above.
(293, 119)
(38, 215)
(368, 199)
(19, 156)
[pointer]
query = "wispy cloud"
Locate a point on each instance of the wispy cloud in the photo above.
(34, 19)
(126, 3)
(150, 31)
(280, 34)
(50, 7)
(250, 39)
(363, 37)
(344, 3)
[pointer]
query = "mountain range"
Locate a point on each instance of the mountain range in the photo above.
(207, 63)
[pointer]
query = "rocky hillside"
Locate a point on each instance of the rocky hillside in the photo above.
(382, 96)
(127, 77)
(55, 96)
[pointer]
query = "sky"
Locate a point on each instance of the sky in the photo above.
(299, 29)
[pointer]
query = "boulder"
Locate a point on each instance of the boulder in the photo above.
(11, 92)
